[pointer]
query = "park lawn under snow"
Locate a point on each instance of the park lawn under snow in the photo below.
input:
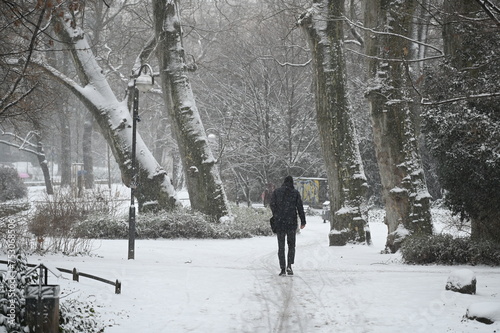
(233, 286)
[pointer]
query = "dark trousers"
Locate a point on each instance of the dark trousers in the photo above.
(290, 238)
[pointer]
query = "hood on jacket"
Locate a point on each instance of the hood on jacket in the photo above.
(288, 182)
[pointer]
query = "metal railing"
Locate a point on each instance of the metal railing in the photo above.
(77, 274)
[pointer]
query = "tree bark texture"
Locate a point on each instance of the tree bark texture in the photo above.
(113, 117)
(206, 192)
(88, 161)
(65, 158)
(407, 201)
(42, 159)
(323, 24)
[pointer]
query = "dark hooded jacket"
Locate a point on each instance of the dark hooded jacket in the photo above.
(285, 204)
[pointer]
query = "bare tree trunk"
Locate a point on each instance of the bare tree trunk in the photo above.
(65, 157)
(88, 160)
(323, 24)
(42, 161)
(407, 201)
(205, 188)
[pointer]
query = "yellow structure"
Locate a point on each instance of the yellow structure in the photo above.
(314, 191)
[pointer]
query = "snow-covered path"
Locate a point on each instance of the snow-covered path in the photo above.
(233, 286)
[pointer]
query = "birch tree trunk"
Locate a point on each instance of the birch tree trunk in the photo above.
(113, 117)
(323, 24)
(206, 192)
(407, 201)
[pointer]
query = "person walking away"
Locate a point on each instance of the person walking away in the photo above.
(285, 204)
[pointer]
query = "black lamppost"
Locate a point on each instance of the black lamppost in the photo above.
(142, 82)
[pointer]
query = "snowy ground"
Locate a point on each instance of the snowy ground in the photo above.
(233, 286)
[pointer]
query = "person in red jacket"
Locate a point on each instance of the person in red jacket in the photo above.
(286, 203)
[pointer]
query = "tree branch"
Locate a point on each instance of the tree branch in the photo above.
(394, 60)
(484, 4)
(462, 98)
(394, 35)
(26, 64)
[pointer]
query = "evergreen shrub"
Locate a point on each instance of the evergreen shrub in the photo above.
(181, 223)
(77, 316)
(11, 186)
(13, 283)
(445, 250)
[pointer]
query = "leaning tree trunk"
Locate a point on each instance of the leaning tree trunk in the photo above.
(112, 116)
(407, 201)
(323, 24)
(205, 189)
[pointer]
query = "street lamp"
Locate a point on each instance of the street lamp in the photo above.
(216, 138)
(142, 82)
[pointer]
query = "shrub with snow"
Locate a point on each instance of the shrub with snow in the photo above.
(12, 294)
(182, 223)
(77, 317)
(446, 250)
(11, 186)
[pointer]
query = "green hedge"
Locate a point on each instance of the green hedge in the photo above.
(248, 222)
(447, 250)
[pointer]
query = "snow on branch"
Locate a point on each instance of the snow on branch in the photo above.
(394, 60)
(386, 33)
(489, 7)
(462, 98)
(24, 145)
(283, 64)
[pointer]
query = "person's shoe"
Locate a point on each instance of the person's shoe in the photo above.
(289, 271)
(283, 272)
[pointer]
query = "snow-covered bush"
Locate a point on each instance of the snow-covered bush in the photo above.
(446, 250)
(101, 226)
(248, 222)
(12, 293)
(180, 223)
(11, 186)
(76, 317)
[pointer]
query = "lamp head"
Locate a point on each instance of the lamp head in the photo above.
(144, 82)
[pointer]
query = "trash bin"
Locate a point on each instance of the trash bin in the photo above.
(42, 308)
